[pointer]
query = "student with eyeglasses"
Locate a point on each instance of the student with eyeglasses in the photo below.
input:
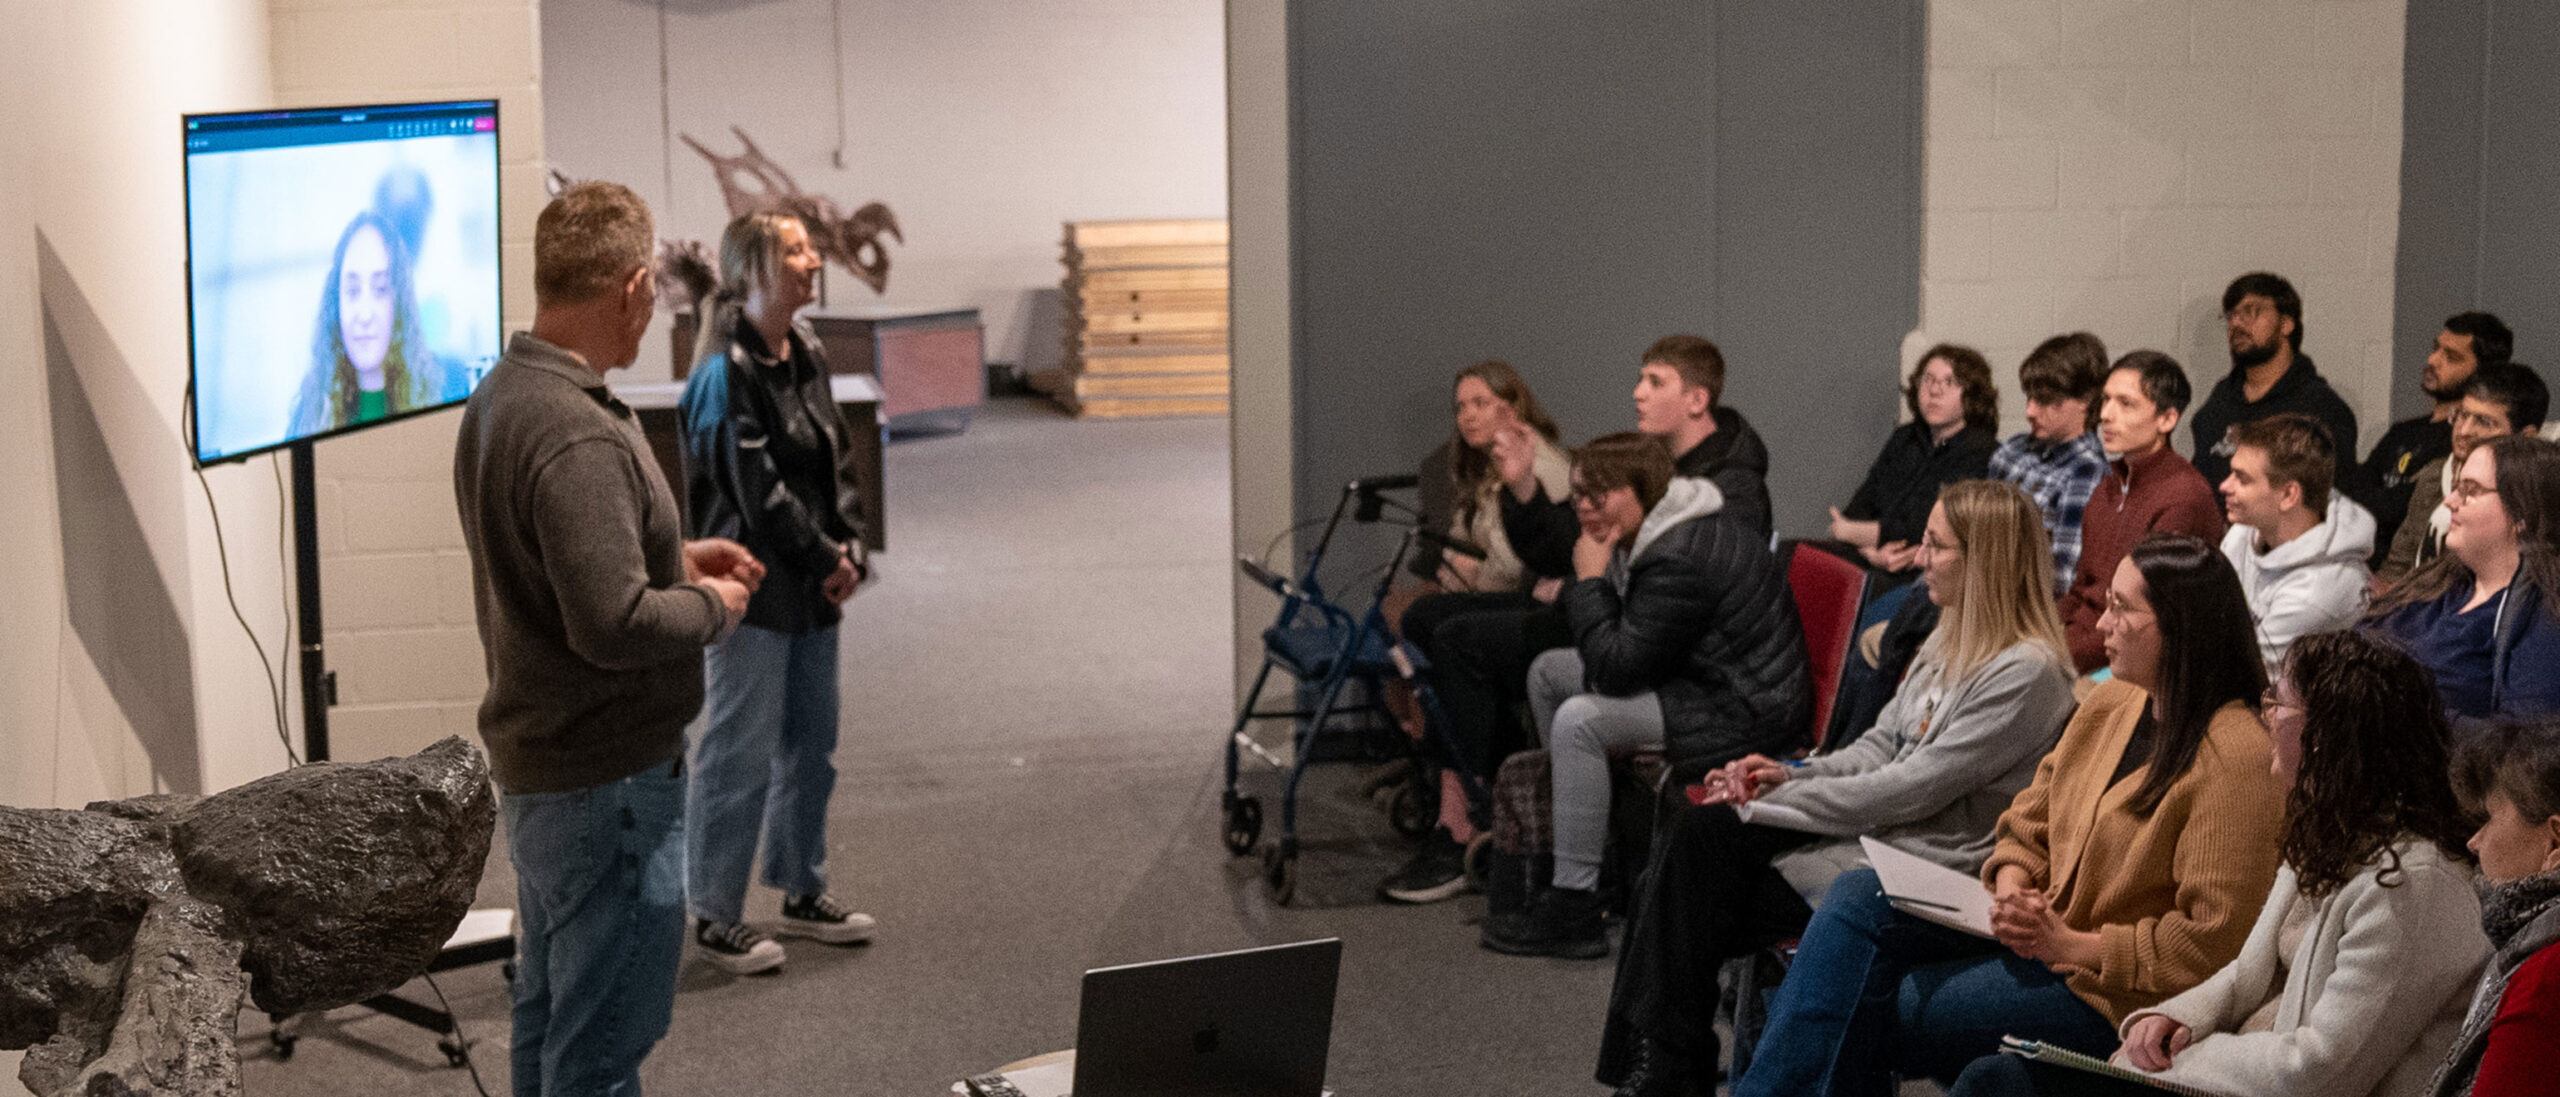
(2485, 615)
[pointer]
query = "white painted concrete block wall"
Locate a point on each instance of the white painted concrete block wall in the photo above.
(2110, 165)
(396, 584)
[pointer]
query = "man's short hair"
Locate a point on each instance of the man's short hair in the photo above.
(2066, 367)
(1698, 362)
(2274, 288)
(2515, 387)
(2299, 451)
(2490, 339)
(2164, 381)
(588, 241)
(1627, 459)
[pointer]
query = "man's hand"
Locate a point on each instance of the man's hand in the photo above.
(1591, 551)
(733, 593)
(1515, 459)
(2154, 1042)
(721, 558)
(1861, 534)
(840, 584)
(1892, 555)
(1458, 572)
(1546, 590)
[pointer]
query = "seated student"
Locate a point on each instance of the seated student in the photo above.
(1983, 702)
(1685, 639)
(2353, 980)
(2270, 375)
(2128, 871)
(2510, 1041)
(2058, 459)
(1955, 407)
(2389, 475)
(2485, 615)
(2500, 400)
(2299, 548)
(2148, 489)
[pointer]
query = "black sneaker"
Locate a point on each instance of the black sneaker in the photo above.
(1560, 922)
(820, 918)
(736, 948)
(1438, 871)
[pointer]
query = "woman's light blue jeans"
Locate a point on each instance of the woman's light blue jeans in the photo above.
(763, 766)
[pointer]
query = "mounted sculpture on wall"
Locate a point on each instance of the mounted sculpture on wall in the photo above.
(131, 929)
(753, 183)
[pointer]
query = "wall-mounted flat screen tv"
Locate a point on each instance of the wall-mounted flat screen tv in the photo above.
(342, 268)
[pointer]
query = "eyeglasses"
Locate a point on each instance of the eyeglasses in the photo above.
(1940, 384)
(2269, 701)
(2249, 313)
(2467, 489)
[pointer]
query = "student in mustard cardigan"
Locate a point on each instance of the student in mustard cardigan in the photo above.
(2129, 870)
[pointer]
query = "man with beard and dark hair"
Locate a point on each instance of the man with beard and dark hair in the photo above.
(2389, 475)
(2269, 376)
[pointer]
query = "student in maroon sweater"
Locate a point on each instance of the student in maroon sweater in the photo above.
(2148, 488)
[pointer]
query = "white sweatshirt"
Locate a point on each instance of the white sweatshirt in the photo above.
(2314, 583)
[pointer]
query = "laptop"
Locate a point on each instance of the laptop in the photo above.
(1257, 1022)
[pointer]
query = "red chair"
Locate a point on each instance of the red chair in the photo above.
(1829, 589)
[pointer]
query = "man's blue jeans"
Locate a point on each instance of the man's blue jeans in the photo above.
(600, 898)
(763, 765)
(1875, 992)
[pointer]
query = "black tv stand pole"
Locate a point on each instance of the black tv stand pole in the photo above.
(319, 687)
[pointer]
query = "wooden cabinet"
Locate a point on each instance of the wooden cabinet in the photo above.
(930, 364)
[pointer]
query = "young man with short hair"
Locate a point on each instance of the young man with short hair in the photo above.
(2389, 475)
(2299, 548)
(1685, 640)
(2507, 398)
(2148, 488)
(2057, 460)
(2262, 318)
(1680, 399)
(594, 613)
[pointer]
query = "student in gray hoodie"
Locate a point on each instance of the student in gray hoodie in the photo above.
(2300, 548)
(1985, 699)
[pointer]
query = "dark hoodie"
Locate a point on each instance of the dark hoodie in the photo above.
(2300, 391)
(1543, 530)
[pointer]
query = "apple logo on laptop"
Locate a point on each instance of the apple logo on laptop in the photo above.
(1205, 1041)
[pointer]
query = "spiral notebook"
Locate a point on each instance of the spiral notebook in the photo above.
(2042, 1052)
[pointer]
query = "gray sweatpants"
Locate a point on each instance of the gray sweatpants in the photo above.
(1581, 731)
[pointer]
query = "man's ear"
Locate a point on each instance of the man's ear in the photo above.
(2534, 431)
(2551, 830)
(2284, 328)
(2291, 496)
(1698, 399)
(2168, 419)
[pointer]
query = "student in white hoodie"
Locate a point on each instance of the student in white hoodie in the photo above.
(2354, 979)
(2300, 548)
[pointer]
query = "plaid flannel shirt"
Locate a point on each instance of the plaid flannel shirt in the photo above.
(2059, 477)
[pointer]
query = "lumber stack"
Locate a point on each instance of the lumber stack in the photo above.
(1146, 319)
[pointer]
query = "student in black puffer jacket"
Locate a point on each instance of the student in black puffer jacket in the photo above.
(1685, 640)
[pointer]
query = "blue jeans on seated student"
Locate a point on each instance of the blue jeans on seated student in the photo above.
(1875, 992)
(600, 901)
(763, 765)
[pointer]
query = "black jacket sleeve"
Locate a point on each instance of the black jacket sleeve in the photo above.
(1542, 532)
(1637, 643)
(1746, 500)
(735, 436)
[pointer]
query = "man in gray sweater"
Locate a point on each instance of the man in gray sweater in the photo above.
(593, 614)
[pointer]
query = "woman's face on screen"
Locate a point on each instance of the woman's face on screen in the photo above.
(364, 299)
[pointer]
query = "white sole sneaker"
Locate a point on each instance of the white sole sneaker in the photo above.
(855, 928)
(764, 956)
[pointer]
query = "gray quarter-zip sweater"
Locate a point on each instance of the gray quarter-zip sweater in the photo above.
(592, 636)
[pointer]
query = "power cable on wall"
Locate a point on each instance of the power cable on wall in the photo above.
(837, 10)
(666, 116)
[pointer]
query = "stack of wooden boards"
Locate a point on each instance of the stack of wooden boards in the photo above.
(1146, 319)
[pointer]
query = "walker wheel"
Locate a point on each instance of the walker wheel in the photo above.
(283, 1045)
(1244, 824)
(1280, 871)
(1479, 859)
(1412, 810)
(455, 1054)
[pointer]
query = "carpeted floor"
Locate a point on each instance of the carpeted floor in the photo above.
(1035, 696)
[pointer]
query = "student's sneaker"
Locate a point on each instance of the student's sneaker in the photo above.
(820, 918)
(737, 948)
(1438, 871)
(1562, 922)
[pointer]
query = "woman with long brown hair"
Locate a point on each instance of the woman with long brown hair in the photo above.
(2484, 615)
(2352, 980)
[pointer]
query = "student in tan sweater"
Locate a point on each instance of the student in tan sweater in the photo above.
(2354, 980)
(2129, 870)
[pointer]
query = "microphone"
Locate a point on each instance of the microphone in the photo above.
(1459, 545)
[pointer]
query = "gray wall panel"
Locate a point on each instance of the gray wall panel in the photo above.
(1559, 184)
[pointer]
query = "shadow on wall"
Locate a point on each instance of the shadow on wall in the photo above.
(1038, 340)
(116, 600)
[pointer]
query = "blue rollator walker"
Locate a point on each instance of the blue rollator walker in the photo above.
(1325, 647)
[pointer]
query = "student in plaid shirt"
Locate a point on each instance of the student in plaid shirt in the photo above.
(2057, 460)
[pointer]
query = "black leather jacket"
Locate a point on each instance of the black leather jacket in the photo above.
(765, 451)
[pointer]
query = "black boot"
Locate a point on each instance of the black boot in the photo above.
(1657, 1071)
(1561, 922)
